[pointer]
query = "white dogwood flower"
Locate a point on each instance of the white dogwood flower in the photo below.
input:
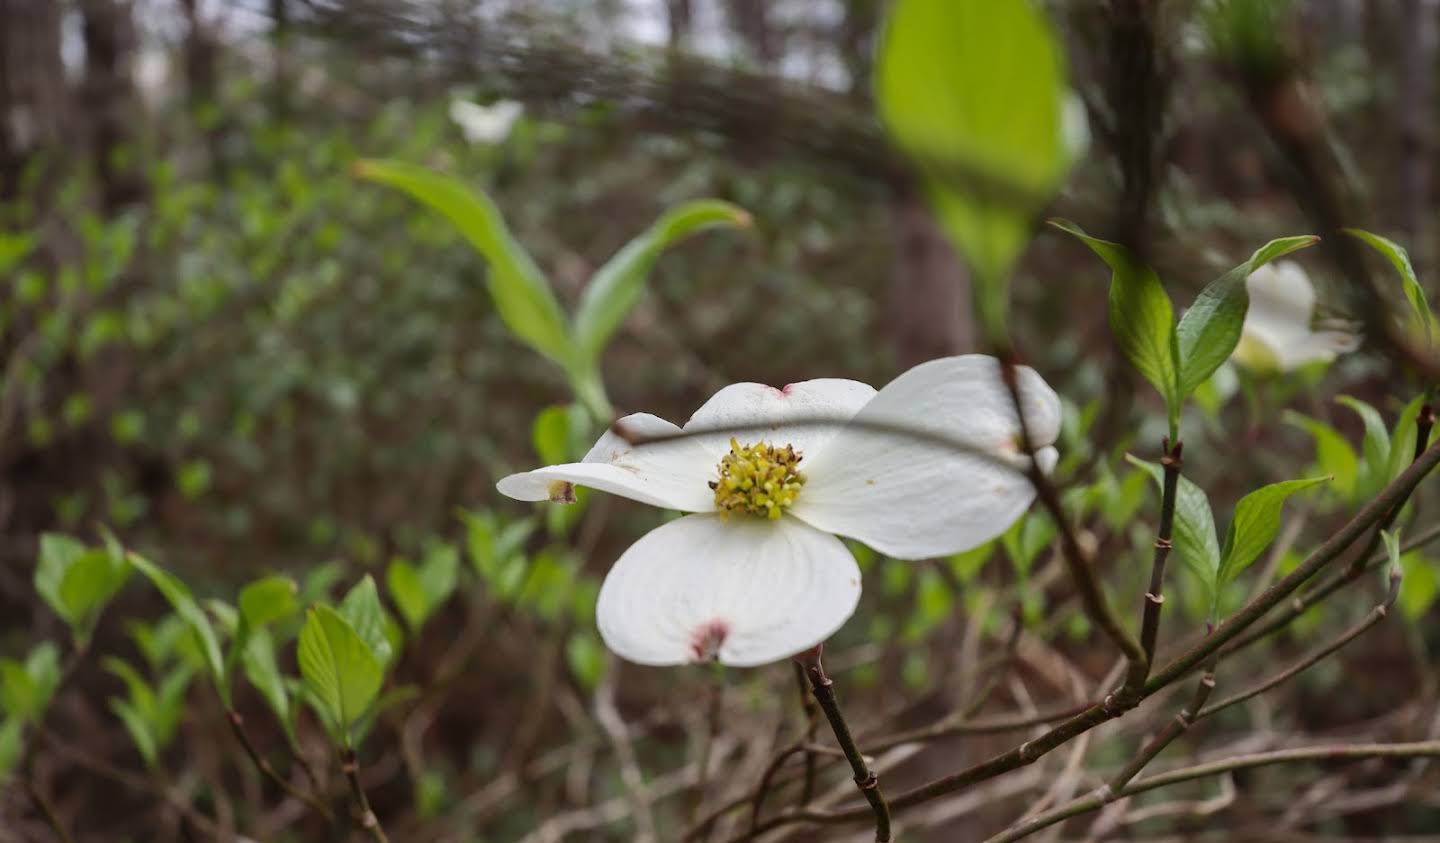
(756, 573)
(485, 123)
(1277, 335)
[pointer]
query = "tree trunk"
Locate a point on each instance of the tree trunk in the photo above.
(32, 87)
(1415, 36)
(681, 17)
(108, 97)
(930, 297)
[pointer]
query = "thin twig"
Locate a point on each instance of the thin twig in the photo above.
(1093, 801)
(865, 778)
(1174, 729)
(1373, 617)
(237, 726)
(1171, 462)
(619, 734)
(350, 765)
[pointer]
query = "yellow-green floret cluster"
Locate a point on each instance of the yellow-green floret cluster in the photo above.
(758, 479)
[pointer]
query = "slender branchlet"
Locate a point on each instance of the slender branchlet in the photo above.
(1172, 463)
(237, 726)
(812, 723)
(350, 766)
(865, 778)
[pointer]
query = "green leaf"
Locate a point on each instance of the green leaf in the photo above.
(586, 658)
(77, 582)
(522, 294)
(1421, 585)
(362, 610)
(138, 728)
(1026, 539)
(1400, 259)
(1255, 525)
(1210, 329)
(1141, 317)
(339, 668)
(1376, 445)
(1194, 530)
(263, 673)
(616, 287)
(181, 600)
(554, 433)
(268, 600)
(1402, 441)
(974, 93)
(18, 695)
(11, 729)
(408, 593)
(1333, 454)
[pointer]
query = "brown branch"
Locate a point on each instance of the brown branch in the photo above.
(237, 726)
(1085, 804)
(865, 778)
(1155, 597)
(350, 765)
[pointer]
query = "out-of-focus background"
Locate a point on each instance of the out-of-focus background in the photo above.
(242, 359)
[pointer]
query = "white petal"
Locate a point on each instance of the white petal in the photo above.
(1281, 292)
(1321, 346)
(913, 498)
(767, 410)
(744, 590)
(672, 474)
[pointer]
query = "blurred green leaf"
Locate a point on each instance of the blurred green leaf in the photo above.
(268, 600)
(616, 287)
(974, 93)
(586, 658)
(1333, 454)
(78, 582)
(11, 728)
(1255, 525)
(263, 673)
(522, 294)
(1375, 447)
(339, 667)
(1414, 290)
(181, 600)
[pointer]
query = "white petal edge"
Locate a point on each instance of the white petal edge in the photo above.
(1281, 292)
(747, 590)
(805, 415)
(914, 498)
(671, 474)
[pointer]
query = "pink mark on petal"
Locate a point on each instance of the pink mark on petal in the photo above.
(786, 390)
(706, 640)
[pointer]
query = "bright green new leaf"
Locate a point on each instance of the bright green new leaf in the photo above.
(1255, 525)
(77, 582)
(616, 287)
(521, 292)
(974, 93)
(1333, 454)
(138, 728)
(263, 673)
(1141, 317)
(18, 695)
(268, 600)
(1026, 539)
(586, 658)
(339, 668)
(1422, 584)
(1402, 440)
(559, 433)
(408, 593)
(180, 599)
(1400, 259)
(362, 610)
(1210, 328)
(1194, 530)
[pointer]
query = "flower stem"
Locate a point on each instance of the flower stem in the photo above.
(1171, 462)
(368, 821)
(865, 778)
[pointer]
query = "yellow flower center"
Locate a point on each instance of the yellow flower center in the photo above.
(757, 479)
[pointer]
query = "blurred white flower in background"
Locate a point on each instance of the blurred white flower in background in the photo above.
(757, 572)
(485, 123)
(1277, 335)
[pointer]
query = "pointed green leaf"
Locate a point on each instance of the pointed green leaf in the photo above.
(1194, 530)
(522, 294)
(1402, 441)
(1141, 317)
(138, 728)
(19, 697)
(1333, 454)
(181, 600)
(1400, 259)
(616, 287)
(339, 668)
(1210, 329)
(11, 729)
(76, 581)
(362, 609)
(1255, 525)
